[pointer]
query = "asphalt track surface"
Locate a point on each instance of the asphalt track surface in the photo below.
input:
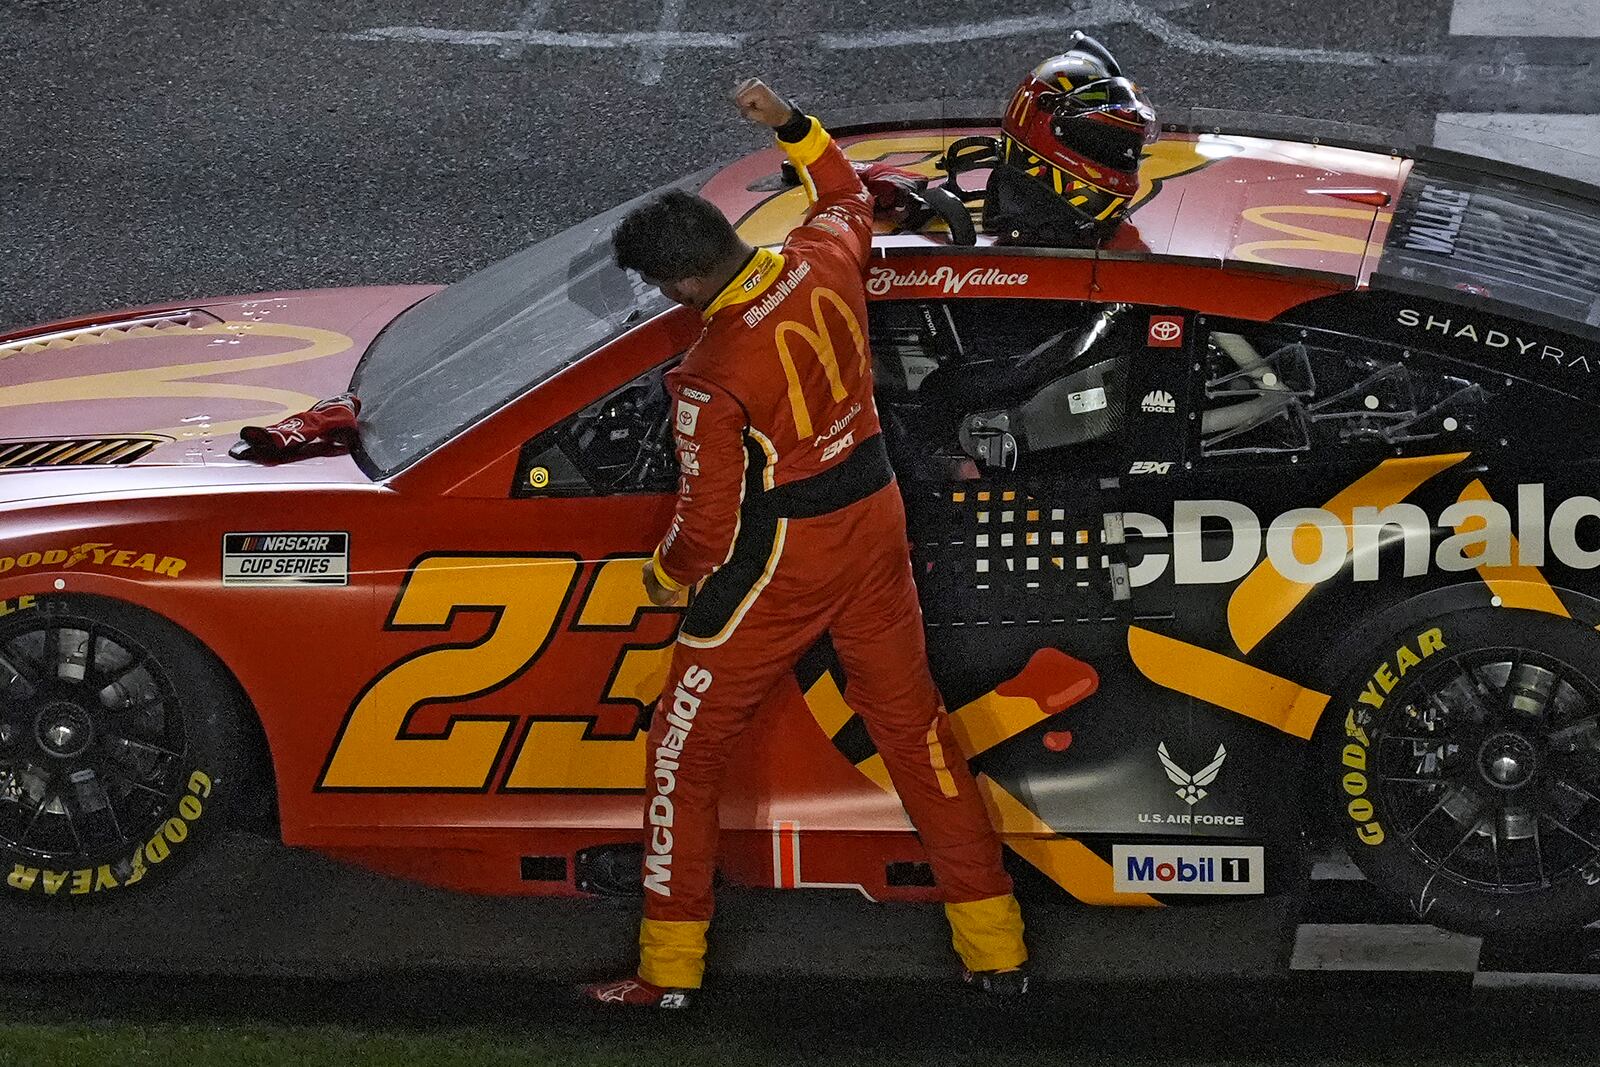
(183, 148)
(176, 148)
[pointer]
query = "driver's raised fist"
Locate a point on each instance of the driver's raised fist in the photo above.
(760, 104)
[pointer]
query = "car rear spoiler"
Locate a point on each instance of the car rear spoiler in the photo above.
(1489, 236)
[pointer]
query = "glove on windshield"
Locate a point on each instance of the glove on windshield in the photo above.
(333, 419)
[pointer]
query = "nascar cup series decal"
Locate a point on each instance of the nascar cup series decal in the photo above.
(1485, 538)
(286, 558)
(1220, 870)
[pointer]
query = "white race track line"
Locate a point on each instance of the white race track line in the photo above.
(1560, 144)
(1564, 144)
(1383, 947)
(1525, 18)
(655, 45)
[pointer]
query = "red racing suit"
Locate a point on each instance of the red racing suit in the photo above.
(789, 521)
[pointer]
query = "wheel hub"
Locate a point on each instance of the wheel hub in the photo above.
(63, 730)
(1507, 760)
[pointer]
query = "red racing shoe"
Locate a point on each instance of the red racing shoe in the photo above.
(634, 992)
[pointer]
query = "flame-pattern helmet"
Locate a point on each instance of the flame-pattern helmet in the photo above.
(1079, 127)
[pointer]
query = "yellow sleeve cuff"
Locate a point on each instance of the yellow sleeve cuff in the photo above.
(662, 576)
(808, 149)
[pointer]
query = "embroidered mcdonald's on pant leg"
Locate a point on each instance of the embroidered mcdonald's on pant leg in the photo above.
(711, 695)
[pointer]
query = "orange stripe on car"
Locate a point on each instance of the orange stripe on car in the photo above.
(1226, 682)
(1064, 860)
(1265, 598)
(1517, 585)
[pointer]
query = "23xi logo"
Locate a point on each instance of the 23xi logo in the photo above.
(1190, 786)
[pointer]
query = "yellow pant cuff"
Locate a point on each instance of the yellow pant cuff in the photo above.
(672, 954)
(987, 933)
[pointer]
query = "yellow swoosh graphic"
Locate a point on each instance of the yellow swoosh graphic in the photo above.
(1227, 683)
(1517, 586)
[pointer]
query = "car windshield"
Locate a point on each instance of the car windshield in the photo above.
(467, 351)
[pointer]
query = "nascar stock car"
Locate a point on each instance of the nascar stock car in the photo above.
(1270, 520)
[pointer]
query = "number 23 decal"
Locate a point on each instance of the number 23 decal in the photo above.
(378, 749)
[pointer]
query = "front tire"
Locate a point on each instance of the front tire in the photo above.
(1459, 763)
(121, 746)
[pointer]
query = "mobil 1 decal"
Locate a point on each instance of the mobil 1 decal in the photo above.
(286, 558)
(1232, 870)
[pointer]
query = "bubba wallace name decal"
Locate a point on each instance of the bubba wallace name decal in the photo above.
(881, 280)
(1483, 537)
(664, 775)
(780, 291)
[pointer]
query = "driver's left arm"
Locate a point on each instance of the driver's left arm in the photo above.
(708, 426)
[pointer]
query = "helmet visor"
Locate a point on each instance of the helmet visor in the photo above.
(1116, 146)
(1106, 122)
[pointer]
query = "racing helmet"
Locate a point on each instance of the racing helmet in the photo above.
(1076, 129)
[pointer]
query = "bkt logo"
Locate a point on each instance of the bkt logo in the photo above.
(1183, 869)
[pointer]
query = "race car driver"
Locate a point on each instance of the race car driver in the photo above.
(790, 525)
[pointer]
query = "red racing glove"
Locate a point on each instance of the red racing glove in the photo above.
(893, 188)
(333, 419)
(905, 197)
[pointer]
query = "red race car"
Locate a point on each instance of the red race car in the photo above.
(1267, 516)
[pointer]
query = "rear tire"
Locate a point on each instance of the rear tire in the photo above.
(122, 747)
(1459, 765)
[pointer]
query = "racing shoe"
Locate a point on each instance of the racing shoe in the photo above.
(1010, 982)
(634, 992)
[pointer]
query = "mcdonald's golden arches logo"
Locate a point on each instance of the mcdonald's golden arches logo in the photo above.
(821, 341)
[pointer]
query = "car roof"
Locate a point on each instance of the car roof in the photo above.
(1224, 199)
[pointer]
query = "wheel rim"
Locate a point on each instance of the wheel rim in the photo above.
(1488, 768)
(92, 740)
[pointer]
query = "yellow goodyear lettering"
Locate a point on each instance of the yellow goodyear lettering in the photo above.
(375, 750)
(1360, 809)
(1375, 690)
(820, 340)
(21, 603)
(175, 831)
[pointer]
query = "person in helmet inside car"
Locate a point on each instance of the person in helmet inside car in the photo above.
(1069, 151)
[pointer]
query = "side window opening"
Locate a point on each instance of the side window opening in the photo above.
(621, 443)
(1282, 391)
(971, 387)
(1001, 417)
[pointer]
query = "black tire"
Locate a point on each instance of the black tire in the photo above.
(122, 747)
(1469, 789)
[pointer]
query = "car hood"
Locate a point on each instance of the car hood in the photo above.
(172, 384)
